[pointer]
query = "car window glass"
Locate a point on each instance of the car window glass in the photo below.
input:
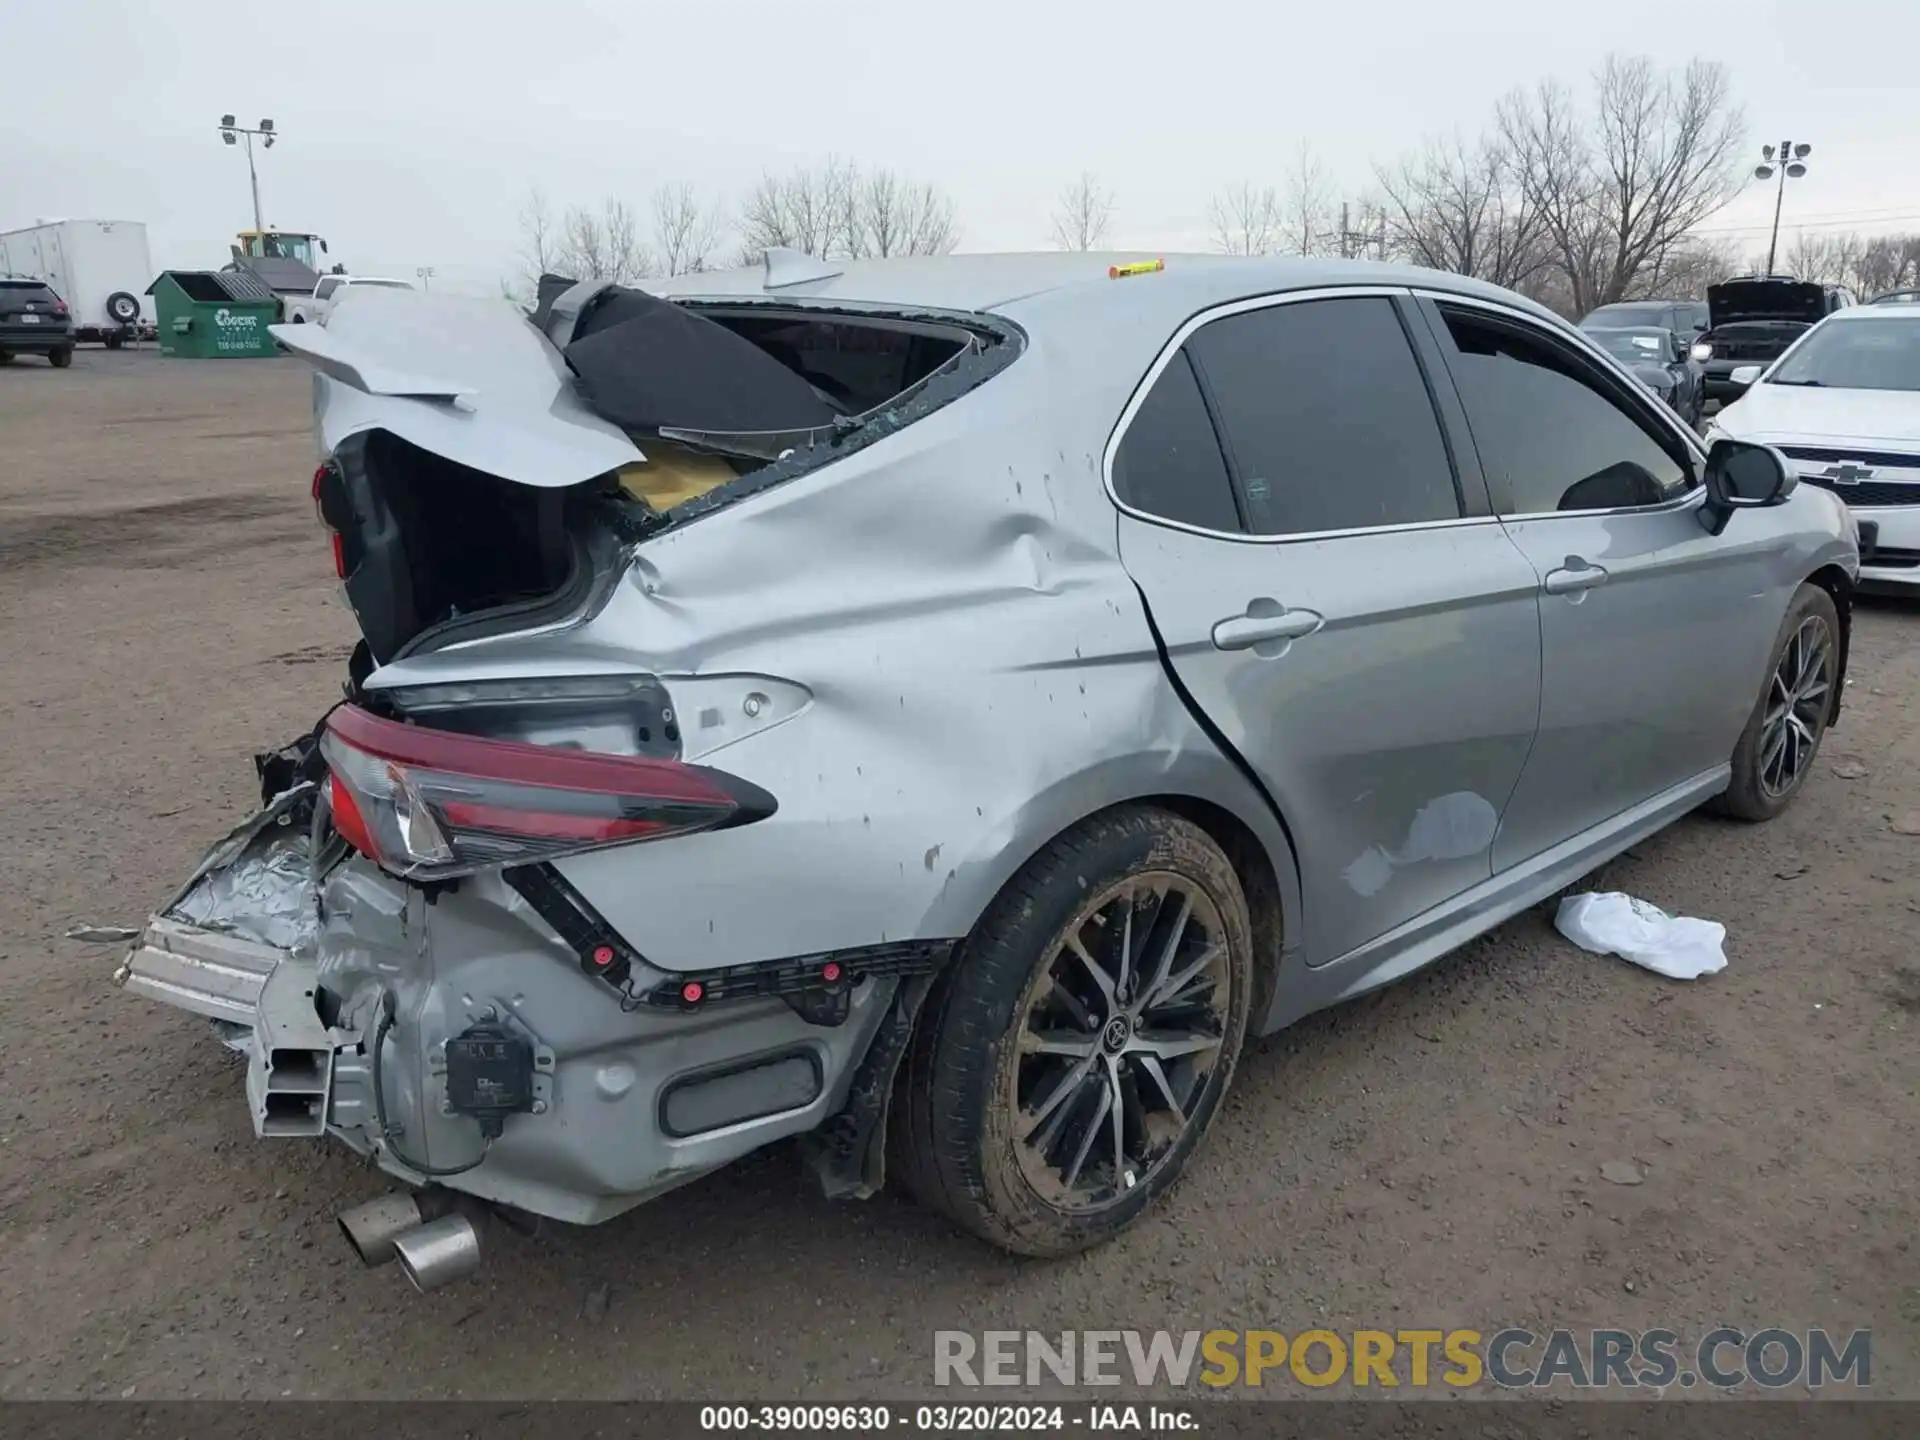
(1169, 463)
(1558, 443)
(1327, 417)
(326, 288)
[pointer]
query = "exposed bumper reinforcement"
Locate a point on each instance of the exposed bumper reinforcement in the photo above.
(205, 971)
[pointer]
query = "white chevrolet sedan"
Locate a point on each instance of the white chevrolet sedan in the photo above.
(1844, 406)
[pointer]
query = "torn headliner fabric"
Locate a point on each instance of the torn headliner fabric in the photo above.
(645, 364)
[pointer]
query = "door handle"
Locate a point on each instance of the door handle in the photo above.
(1573, 576)
(1243, 632)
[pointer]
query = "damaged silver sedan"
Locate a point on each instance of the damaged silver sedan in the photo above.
(939, 709)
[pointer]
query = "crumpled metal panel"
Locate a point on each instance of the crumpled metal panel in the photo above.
(980, 668)
(266, 896)
(468, 379)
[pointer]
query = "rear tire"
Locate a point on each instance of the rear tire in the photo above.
(60, 359)
(1782, 739)
(1039, 1032)
(6, 357)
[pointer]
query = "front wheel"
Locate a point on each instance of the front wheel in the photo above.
(1077, 1049)
(1776, 750)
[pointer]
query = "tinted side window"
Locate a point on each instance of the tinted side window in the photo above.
(1558, 443)
(1327, 417)
(1169, 462)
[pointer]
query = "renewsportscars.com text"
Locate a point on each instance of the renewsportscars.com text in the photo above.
(1511, 1358)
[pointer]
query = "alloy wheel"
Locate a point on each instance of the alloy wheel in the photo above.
(1120, 1035)
(1798, 699)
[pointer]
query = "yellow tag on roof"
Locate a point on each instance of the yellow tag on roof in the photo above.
(1139, 267)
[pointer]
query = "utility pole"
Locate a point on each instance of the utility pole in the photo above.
(1790, 167)
(228, 132)
(1355, 243)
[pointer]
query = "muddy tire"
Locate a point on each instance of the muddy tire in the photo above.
(1777, 749)
(1112, 976)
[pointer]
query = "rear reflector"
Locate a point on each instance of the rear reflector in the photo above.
(431, 804)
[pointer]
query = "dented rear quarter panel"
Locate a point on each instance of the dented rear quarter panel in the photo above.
(979, 668)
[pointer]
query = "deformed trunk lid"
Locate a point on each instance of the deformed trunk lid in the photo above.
(470, 380)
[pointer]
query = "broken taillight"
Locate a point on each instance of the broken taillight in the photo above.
(432, 804)
(325, 496)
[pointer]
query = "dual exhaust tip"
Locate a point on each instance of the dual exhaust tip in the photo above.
(434, 1242)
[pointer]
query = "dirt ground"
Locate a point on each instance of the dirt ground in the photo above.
(1428, 1157)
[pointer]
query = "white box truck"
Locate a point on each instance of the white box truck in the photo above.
(101, 268)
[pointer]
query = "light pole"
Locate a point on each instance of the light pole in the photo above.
(1789, 166)
(228, 130)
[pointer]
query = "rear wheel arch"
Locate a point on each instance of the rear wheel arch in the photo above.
(1839, 587)
(1269, 878)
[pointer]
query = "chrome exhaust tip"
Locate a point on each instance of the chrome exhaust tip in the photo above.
(440, 1251)
(372, 1228)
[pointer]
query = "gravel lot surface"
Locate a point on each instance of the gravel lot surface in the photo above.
(1430, 1157)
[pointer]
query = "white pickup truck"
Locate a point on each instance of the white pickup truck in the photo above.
(327, 293)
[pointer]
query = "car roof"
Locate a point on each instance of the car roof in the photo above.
(1065, 280)
(1875, 312)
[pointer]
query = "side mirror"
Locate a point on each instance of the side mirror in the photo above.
(1743, 476)
(1744, 375)
(323, 247)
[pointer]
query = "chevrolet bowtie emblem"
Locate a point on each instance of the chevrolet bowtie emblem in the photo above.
(1847, 473)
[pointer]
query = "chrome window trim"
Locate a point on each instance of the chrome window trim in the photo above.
(1693, 498)
(1165, 358)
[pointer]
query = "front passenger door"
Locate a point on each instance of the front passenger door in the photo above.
(1651, 651)
(1335, 598)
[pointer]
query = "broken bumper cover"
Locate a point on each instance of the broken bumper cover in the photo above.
(209, 973)
(627, 1098)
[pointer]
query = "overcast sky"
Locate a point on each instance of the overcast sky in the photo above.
(415, 128)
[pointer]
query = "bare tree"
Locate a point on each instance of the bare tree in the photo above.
(894, 216)
(1084, 215)
(538, 239)
(686, 232)
(602, 244)
(1887, 262)
(1245, 220)
(1461, 208)
(1621, 187)
(836, 211)
(803, 210)
(1868, 265)
(1307, 224)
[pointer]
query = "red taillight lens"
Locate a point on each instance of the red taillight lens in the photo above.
(339, 555)
(432, 804)
(60, 307)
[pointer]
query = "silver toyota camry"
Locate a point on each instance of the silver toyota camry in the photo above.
(941, 708)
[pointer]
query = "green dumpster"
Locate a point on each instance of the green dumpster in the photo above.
(214, 314)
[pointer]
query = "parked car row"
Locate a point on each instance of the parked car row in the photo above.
(1842, 404)
(942, 708)
(1746, 321)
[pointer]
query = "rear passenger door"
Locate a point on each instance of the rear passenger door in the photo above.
(1652, 649)
(1334, 594)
